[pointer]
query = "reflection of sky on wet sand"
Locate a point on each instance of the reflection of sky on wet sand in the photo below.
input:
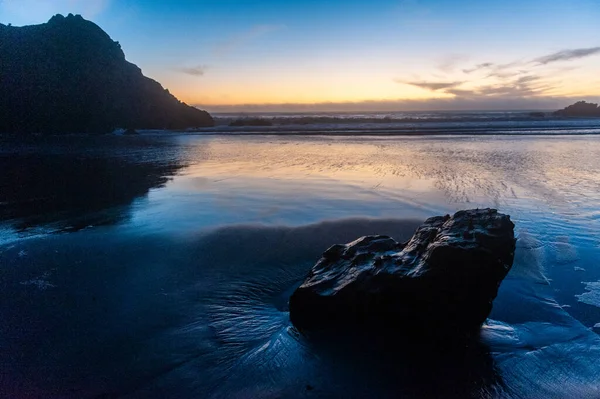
(180, 297)
(298, 180)
(549, 185)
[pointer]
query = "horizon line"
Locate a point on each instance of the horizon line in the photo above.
(489, 104)
(386, 111)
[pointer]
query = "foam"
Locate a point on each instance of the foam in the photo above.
(40, 282)
(592, 296)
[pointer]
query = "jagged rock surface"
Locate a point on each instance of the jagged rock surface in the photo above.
(580, 109)
(69, 76)
(444, 279)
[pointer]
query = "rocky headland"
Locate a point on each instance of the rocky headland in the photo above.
(581, 109)
(69, 76)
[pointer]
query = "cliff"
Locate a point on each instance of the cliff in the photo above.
(69, 76)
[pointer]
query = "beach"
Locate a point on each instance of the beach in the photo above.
(178, 286)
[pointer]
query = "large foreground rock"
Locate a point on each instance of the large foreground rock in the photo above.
(444, 279)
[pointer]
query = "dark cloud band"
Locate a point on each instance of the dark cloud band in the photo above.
(567, 55)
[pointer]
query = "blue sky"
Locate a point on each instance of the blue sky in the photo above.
(232, 54)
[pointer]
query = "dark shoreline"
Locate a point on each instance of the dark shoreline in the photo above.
(316, 133)
(360, 133)
(358, 127)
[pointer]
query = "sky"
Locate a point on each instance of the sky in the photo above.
(347, 55)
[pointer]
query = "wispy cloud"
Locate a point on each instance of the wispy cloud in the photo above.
(496, 70)
(226, 47)
(198, 70)
(526, 78)
(567, 55)
(504, 74)
(485, 65)
(523, 86)
(450, 62)
(433, 86)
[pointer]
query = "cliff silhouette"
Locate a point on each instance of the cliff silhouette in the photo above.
(69, 76)
(580, 109)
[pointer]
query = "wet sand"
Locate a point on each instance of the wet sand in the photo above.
(184, 294)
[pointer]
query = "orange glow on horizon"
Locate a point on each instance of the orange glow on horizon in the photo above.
(361, 85)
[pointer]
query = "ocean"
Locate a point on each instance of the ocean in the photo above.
(408, 123)
(160, 265)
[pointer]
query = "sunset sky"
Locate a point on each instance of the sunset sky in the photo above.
(228, 55)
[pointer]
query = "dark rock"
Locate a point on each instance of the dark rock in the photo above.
(580, 109)
(444, 279)
(537, 114)
(130, 132)
(69, 76)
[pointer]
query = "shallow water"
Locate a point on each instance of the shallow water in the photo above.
(160, 266)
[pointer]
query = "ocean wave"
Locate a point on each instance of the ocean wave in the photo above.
(403, 121)
(407, 126)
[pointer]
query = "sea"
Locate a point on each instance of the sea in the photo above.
(409, 123)
(159, 265)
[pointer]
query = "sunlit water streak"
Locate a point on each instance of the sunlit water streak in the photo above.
(186, 294)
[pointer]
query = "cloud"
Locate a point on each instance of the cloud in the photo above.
(449, 63)
(528, 85)
(505, 74)
(462, 92)
(226, 47)
(485, 65)
(198, 70)
(567, 55)
(525, 80)
(496, 70)
(520, 79)
(523, 86)
(433, 86)
(509, 70)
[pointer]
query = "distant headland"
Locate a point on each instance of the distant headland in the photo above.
(580, 109)
(69, 76)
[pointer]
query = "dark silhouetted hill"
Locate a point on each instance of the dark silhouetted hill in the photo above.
(69, 76)
(580, 109)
